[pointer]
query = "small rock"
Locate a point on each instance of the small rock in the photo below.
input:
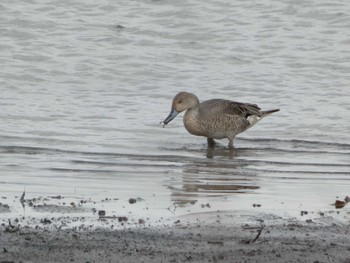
(11, 228)
(132, 201)
(56, 197)
(339, 204)
(45, 221)
(122, 218)
(101, 213)
(303, 213)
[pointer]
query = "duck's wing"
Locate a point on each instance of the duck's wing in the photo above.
(219, 106)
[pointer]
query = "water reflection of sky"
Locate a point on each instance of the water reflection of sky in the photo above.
(82, 100)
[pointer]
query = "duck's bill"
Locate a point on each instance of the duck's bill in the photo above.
(170, 117)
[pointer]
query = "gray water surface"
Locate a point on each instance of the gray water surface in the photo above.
(84, 85)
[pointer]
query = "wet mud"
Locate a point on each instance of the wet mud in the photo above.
(57, 232)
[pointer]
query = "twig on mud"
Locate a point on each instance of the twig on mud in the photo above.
(258, 235)
(260, 229)
(22, 201)
(173, 205)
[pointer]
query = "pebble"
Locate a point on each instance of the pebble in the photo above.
(101, 212)
(132, 200)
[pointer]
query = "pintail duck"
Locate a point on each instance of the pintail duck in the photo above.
(215, 118)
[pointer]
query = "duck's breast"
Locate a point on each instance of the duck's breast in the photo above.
(208, 125)
(192, 123)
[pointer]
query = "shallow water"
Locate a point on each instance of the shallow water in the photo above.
(84, 86)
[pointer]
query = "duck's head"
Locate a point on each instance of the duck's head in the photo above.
(181, 102)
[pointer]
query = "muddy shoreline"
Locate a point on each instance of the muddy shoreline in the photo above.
(207, 237)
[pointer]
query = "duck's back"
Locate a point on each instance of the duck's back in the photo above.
(219, 107)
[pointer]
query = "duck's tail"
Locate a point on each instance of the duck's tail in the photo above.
(268, 112)
(254, 118)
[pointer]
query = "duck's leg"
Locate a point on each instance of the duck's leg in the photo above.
(211, 142)
(230, 144)
(210, 153)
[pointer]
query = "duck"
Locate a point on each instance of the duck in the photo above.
(215, 118)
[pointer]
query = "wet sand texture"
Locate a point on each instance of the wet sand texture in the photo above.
(222, 240)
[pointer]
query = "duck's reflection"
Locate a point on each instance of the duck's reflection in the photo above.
(221, 152)
(213, 178)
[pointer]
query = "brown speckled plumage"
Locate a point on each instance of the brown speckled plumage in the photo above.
(216, 118)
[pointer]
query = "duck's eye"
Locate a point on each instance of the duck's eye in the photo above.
(180, 101)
